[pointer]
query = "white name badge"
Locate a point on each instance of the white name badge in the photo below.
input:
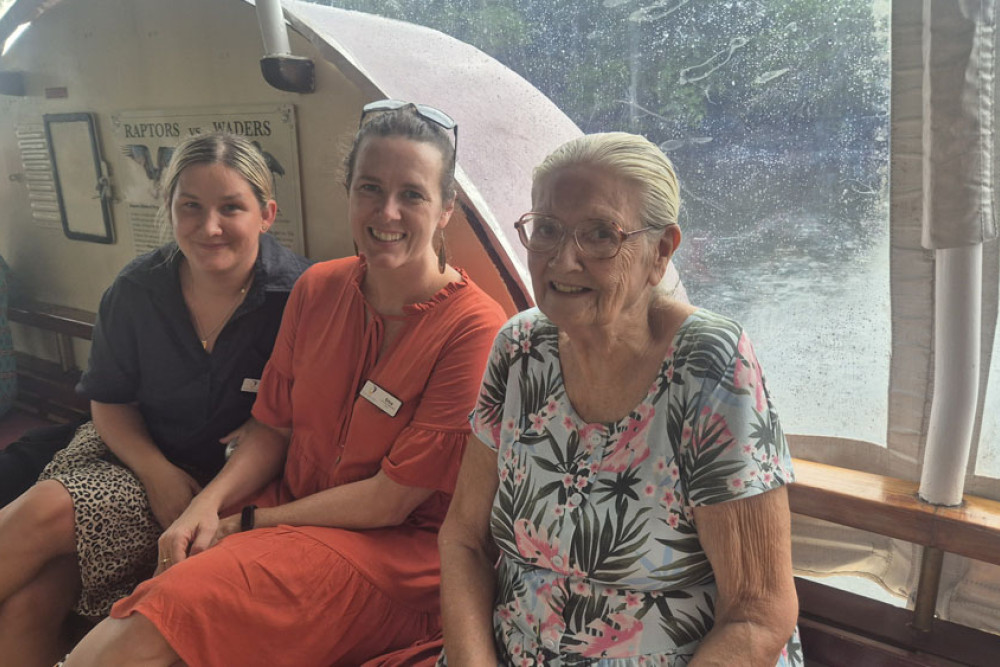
(250, 385)
(381, 399)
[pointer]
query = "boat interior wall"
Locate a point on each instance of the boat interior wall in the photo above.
(164, 59)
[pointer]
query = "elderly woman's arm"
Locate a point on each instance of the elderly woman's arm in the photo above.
(468, 580)
(748, 543)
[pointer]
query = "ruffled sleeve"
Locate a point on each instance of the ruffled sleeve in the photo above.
(733, 446)
(426, 457)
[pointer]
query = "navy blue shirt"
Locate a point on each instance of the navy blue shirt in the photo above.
(146, 351)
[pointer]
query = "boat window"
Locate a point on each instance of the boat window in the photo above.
(777, 117)
(988, 458)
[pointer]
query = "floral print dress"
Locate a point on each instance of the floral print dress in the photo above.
(601, 563)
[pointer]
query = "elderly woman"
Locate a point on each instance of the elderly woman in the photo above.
(628, 467)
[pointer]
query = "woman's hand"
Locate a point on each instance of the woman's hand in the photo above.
(170, 491)
(193, 532)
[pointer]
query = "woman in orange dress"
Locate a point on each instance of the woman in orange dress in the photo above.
(353, 451)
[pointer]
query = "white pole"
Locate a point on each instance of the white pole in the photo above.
(272, 28)
(957, 317)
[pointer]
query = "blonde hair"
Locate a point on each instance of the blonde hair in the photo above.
(631, 157)
(234, 151)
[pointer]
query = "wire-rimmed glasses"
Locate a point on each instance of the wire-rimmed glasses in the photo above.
(596, 239)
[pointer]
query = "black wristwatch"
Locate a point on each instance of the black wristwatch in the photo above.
(247, 518)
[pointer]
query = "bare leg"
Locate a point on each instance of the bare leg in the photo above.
(32, 619)
(127, 642)
(34, 529)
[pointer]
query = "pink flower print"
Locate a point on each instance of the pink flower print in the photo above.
(581, 482)
(660, 466)
(511, 348)
(516, 650)
(747, 449)
(645, 411)
(567, 480)
(537, 421)
(737, 484)
(581, 588)
(551, 407)
(534, 545)
(526, 345)
(527, 326)
(686, 434)
(784, 651)
(774, 460)
(668, 498)
(746, 374)
(568, 424)
(670, 373)
(618, 637)
(752, 474)
(673, 521)
(504, 474)
(675, 472)
(518, 476)
(504, 614)
(767, 478)
(633, 600)
(630, 450)
(559, 510)
(526, 662)
(650, 489)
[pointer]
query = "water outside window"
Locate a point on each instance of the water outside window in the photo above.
(777, 117)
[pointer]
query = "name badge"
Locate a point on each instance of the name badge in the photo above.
(250, 385)
(381, 399)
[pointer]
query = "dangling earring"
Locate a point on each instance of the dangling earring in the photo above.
(442, 255)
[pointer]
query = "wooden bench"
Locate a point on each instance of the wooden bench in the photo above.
(842, 628)
(45, 387)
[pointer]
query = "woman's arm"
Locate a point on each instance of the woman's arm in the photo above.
(258, 459)
(124, 431)
(468, 579)
(748, 543)
(376, 502)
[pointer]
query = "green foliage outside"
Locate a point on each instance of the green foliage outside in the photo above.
(770, 109)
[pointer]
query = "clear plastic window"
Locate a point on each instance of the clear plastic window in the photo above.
(776, 115)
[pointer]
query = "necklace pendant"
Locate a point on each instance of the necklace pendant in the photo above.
(204, 345)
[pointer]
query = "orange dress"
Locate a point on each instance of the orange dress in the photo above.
(324, 596)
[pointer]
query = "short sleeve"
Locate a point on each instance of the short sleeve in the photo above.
(733, 446)
(274, 394)
(428, 452)
(112, 374)
(487, 414)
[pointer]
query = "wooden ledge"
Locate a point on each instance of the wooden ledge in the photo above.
(890, 506)
(59, 319)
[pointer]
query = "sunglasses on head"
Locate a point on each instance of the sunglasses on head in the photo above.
(426, 112)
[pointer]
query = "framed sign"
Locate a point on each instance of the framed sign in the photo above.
(145, 143)
(80, 178)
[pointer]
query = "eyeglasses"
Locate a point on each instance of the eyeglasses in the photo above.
(426, 112)
(596, 239)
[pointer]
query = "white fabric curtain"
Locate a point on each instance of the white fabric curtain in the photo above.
(942, 168)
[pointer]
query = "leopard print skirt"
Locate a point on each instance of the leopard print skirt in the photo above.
(116, 532)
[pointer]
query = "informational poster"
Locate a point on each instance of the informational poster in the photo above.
(145, 141)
